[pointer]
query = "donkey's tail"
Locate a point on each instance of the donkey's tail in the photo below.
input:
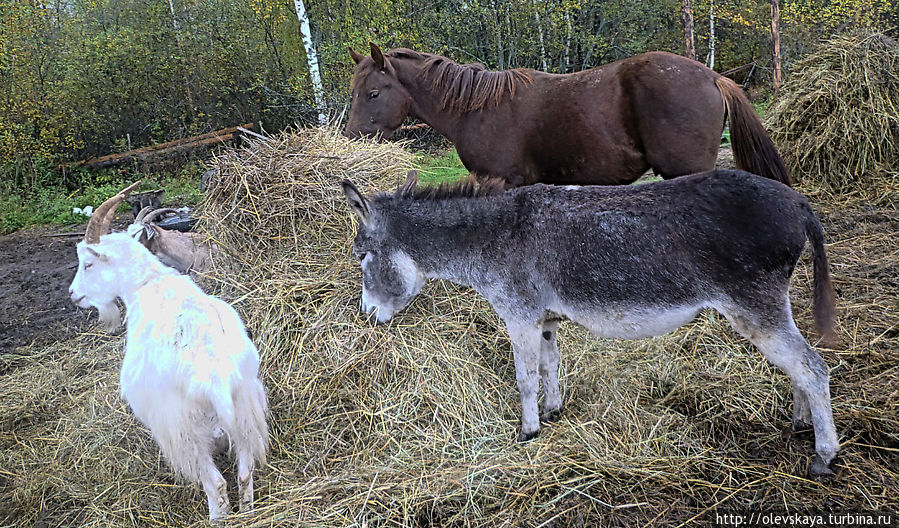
(753, 149)
(825, 313)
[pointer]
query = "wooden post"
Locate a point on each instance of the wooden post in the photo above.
(775, 43)
(687, 19)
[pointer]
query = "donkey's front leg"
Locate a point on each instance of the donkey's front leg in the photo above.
(549, 372)
(526, 349)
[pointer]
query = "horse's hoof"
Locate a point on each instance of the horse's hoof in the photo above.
(551, 416)
(820, 470)
(524, 437)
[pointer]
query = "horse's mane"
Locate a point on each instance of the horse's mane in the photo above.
(469, 188)
(467, 87)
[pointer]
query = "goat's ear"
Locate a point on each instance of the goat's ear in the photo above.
(357, 57)
(358, 203)
(377, 55)
(100, 255)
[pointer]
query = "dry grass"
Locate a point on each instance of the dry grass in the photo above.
(836, 118)
(413, 423)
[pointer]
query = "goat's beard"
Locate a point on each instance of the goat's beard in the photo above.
(110, 316)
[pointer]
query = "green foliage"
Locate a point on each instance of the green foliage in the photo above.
(445, 167)
(101, 76)
(53, 204)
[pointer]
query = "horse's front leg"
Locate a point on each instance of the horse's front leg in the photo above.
(526, 349)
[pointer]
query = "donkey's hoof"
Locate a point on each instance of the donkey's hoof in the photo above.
(524, 437)
(551, 416)
(801, 426)
(820, 470)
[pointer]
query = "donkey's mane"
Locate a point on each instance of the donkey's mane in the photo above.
(469, 188)
(467, 87)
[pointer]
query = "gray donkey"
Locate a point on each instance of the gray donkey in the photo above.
(625, 262)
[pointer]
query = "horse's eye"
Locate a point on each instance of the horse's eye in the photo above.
(360, 255)
(373, 94)
(88, 265)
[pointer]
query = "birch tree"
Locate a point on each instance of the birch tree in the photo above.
(687, 20)
(312, 61)
(711, 59)
(775, 42)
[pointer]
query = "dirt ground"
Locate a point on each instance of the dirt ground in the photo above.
(35, 273)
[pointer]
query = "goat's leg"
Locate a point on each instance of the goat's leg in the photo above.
(245, 464)
(526, 349)
(216, 489)
(784, 347)
(549, 372)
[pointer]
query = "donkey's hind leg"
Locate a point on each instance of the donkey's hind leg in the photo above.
(549, 372)
(783, 345)
(526, 349)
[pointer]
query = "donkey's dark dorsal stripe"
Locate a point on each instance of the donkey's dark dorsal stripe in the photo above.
(602, 126)
(623, 261)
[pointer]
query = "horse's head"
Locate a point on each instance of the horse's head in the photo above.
(380, 102)
(390, 277)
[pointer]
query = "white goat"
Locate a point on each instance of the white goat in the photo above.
(190, 372)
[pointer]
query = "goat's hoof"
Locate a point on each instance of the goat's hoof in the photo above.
(524, 437)
(820, 470)
(551, 416)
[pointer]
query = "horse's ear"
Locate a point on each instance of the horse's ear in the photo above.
(358, 203)
(377, 55)
(410, 184)
(357, 57)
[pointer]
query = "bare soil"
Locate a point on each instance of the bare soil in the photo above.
(35, 273)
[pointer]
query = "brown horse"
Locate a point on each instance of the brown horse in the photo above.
(607, 125)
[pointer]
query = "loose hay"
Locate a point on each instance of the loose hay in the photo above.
(836, 118)
(413, 423)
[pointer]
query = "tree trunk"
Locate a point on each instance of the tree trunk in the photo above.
(566, 61)
(540, 34)
(711, 60)
(775, 43)
(687, 19)
(176, 27)
(312, 61)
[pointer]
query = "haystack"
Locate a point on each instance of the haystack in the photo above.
(414, 423)
(836, 118)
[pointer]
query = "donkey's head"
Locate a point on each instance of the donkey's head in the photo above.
(390, 277)
(380, 102)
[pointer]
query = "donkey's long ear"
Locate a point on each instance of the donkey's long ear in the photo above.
(410, 184)
(357, 57)
(377, 55)
(358, 202)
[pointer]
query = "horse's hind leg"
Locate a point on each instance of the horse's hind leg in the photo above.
(549, 372)
(783, 345)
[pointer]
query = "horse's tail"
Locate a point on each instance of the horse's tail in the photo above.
(753, 149)
(825, 313)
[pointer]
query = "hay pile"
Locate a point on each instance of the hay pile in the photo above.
(836, 118)
(414, 423)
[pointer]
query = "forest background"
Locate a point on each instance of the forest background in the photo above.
(81, 78)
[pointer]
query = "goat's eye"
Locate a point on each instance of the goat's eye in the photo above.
(373, 94)
(87, 265)
(360, 255)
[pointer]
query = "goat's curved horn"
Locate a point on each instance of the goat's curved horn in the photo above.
(152, 216)
(143, 212)
(102, 217)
